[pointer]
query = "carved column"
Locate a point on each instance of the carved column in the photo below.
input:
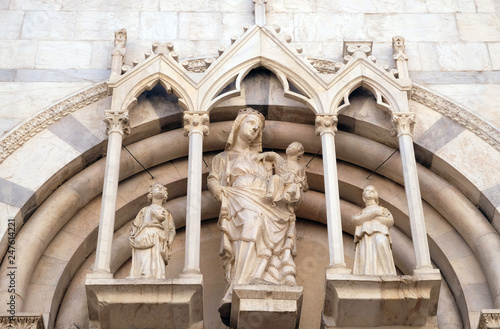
(326, 127)
(195, 126)
(403, 123)
(117, 124)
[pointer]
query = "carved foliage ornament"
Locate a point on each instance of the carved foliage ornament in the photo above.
(196, 122)
(403, 123)
(25, 132)
(326, 123)
(490, 320)
(21, 322)
(117, 122)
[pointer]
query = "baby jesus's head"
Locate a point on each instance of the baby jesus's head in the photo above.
(295, 150)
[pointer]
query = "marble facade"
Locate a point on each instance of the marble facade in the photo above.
(56, 204)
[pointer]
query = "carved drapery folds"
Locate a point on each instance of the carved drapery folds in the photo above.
(403, 123)
(326, 123)
(196, 122)
(117, 122)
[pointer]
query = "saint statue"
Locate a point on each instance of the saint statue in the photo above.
(373, 254)
(259, 193)
(151, 237)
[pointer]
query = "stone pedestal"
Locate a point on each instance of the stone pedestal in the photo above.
(262, 307)
(145, 303)
(362, 301)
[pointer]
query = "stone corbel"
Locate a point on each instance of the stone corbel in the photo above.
(326, 123)
(117, 122)
(403, 123)
(196, 122)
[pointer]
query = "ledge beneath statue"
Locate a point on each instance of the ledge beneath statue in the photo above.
(145, 303)
(266, 306)
(367, 301)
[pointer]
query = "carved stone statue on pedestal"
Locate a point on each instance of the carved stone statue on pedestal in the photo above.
(259, 193)
(151, 237)
(373, 254)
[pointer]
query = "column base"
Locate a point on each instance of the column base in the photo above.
(264, 306)
(145, 303)
(367, 301)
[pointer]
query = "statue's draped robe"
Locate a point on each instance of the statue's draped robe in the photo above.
(150, 250)
(373, 254)
(253, 230)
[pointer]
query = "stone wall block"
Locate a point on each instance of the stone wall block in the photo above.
(17, 54)
(232, 24)
(330, 27)
(428, 56)
(63, 54)
(479, 27)
(193, 5)
(92, 25)
(110, 5)
(101, 55)
(414, 27)
(52, 25)
(200, 26)
(463, 56)
(370, 6)
(11, 24)
(450, 6)
(35, 4)
(487, 6)
(494, 50)
(158, 26)
(291, 6)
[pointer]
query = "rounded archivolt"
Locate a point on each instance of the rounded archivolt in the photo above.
(57, 241)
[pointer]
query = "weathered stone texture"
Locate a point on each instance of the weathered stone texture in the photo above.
(11, 24)
(51, 25)
(63, 54)
(463, 56)
(479, 27)
(158, 26)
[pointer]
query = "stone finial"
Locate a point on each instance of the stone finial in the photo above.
(260, 12)
(118, 52)
(398, 44)
(196, 122)
(326, 123)
(399, 55)
(403, 123)
(120, 42)
(117, 122)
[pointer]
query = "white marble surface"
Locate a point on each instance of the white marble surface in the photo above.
(159, 26)
(48, 25)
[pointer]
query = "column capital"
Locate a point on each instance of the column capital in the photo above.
(117, 121)
(326, 123)
(195, 121)
(403, 123)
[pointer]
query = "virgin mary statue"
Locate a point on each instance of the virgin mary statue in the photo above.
(258, 235)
